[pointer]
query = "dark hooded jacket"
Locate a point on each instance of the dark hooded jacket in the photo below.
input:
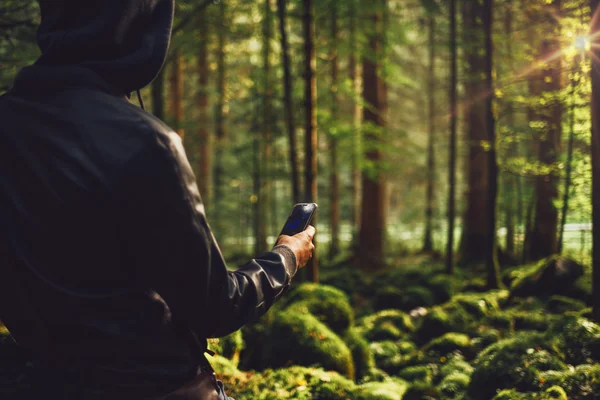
(101, 221)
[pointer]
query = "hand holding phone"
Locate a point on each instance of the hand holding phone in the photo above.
(297, 233)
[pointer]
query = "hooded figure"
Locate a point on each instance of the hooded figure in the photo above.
(110, 278)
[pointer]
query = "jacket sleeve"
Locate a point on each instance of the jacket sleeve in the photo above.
(176, 255)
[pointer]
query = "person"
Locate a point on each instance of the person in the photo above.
(110, 277)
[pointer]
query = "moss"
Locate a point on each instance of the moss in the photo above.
(511, 394)
(530, 321)
(330, 305)
(556, 392)
(581, 382)
(385, 325)
(417, 373)
(229, 346)
(302, 339)
(298, 383)
(481, 304)
(442, 286)
(456, 364)
(484, 336)
(404, 299)
(500, 320)
(227, 371)
(576, 338)
(392, 389)
(440, 320)
(421, 391)
(512, 363)
(352, 281)
(363, 358)
(563, 304)
(554, 275)
(454, 385)
(390, 356)
(448, 343)
(256, 334)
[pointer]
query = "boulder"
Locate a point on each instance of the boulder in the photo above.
(385, 325)
(554, 275)
(363, 358)
(391, 389)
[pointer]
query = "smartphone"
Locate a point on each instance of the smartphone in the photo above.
(299, 219)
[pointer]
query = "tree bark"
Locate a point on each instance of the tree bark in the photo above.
(357, 115)
(428, 240)
(452, 155)
(473, 241)
(176, 93)
(372, 227)
(491, 259)
(334, 197)
(595, 107)
(310, 125)
(543, 236)
(204, 162)
(565, 207)
(288, 103)
(220, 112)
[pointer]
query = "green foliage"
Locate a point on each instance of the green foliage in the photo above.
(576, 338)
(513, 363)
(330, 305)
(302, 339)
(580, 382)
(385, 325)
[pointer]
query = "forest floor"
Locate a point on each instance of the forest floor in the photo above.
(412, 332)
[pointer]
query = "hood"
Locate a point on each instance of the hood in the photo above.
(123, 41)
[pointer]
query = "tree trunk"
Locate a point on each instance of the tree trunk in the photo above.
(220, 113)
(265, 187)
(543, 236)
(334, 197)
(473, 241)
(452, 155)
(565, 207)
(357, 114)
(158, 97)
(372, 227)
(595, 106)
(204, 162)
(176, 93)
(288, 103)
(491, 259)
(428, 241)
(310, 126)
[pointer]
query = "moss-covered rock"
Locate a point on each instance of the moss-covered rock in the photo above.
(563, 304)
(481, 304)
(391, 389)
(454, 385)
(297, 383)
(301, 339)
(229, 346)
(443, 287)
(581, 382)
(363, 358)
(448, 343)
(440, 320)
(531, 321)
(390, 356)
(554, 275)
(417, 373)
(421, 391)
(404, 299)
(385, 325)
(576, 338)
(227, 371)
(511, 394)
(456, 363)
(330, 305)
(512, 363)
(556, 392)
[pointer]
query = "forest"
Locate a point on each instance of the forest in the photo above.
(453, 148)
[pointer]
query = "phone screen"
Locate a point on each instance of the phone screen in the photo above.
(299, 219)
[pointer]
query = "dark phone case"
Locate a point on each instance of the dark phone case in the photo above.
(299, 219)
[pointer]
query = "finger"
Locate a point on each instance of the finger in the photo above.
(310, 231)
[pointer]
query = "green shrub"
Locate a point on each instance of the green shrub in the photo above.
(362, 356)
(563, 304)
(448, 343)
(391, 389)
(454, 385)
(330, 305)
(385, 325)
(417, 373)
(301, 339)
(297, 383)
(582, 382)
(576, 338)
(512, 363)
